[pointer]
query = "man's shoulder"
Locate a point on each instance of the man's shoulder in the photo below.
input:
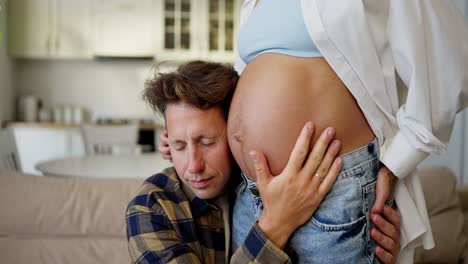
(167, 180)
(164, 186)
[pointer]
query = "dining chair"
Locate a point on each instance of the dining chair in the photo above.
(8, 151)
(36, 144)
(111, 139)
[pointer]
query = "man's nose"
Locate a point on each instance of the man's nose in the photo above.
(197, 164)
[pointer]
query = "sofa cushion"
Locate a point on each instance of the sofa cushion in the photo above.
(58, 206)
(445, 215)
(69, 250)
(463, 195)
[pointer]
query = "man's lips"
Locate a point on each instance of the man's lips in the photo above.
(202, 183)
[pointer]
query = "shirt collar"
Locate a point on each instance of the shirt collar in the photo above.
(198, 206)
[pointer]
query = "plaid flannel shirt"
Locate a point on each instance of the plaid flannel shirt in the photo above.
(167, 223)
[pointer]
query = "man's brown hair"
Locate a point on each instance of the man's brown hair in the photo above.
(198, 83)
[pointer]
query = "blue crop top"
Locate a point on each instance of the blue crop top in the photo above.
(276, 26)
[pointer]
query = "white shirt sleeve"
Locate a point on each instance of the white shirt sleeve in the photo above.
(429, 42)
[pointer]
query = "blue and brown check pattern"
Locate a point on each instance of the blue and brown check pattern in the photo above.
(167, 223)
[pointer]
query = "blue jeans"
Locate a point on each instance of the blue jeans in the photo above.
(339, 231)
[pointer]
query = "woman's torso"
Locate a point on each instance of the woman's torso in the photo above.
(276, 95)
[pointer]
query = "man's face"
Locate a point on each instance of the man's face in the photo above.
(199, 148)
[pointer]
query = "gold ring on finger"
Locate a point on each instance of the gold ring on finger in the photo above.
(318, 176)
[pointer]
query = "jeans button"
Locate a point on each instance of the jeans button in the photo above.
(370, 148)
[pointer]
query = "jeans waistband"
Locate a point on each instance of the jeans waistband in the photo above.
(359, 160)
(354, 162)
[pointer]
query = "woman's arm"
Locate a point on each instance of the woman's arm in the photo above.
(428, 40)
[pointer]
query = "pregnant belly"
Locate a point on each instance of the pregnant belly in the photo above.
(276, 95)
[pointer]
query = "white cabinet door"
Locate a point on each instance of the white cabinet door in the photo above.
(49, 28)
(179, 24)
(124, 28)
(72, 36)
(29, 24)
(194, 29)
(221, 25)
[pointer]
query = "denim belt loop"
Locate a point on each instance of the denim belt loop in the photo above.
(244, 181)
(251, 185)
(254, 191)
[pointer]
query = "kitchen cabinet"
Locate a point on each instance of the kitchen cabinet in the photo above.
(177, 24)
(222, 25)
(166, 29)
(206, 29)
(29, 24)
(49, 28)
(73, 32)
(124, 28)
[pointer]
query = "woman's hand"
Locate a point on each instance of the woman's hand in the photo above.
(164, 146)
(386, 180)
(291, 198)
(387, 235)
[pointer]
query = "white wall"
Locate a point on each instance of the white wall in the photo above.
(463, 5)
(105, 88)
(456, 155)
(6, 91)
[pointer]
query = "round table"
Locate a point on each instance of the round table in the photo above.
(109, 166)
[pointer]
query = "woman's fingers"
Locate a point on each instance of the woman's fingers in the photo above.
(301, 149)
(318, 151)
(384, 188)
(393, 216)
(385, 227)
(262, 170)
(387, 235)
(164, 139)
(383, 240)
(387, 251)
(330, 178)
(332, 151)
(385, 256)
(162, 149)
(165, 152)
(163, 146)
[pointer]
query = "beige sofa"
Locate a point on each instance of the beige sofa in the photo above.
(55, 220)
(448, 213)
(71, 220)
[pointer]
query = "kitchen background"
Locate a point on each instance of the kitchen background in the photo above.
(93, 57)
(97, 54)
